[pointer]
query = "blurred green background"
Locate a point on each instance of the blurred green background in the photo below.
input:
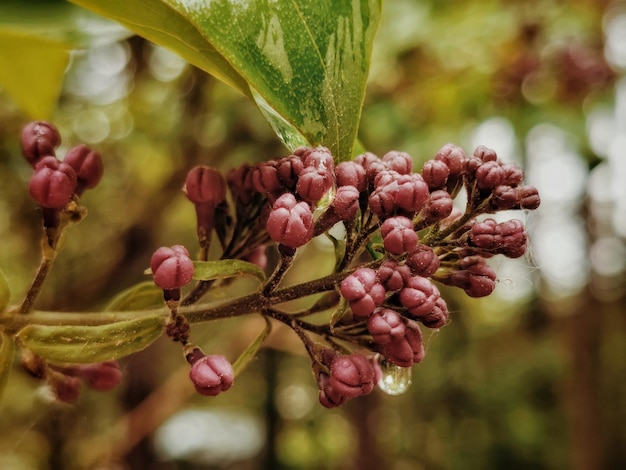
(533, 376)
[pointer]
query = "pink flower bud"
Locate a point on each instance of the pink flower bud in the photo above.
(507, 238)
(398, 161)
(398, 235)
(212, 375)
(412, 192)
(528, 197)
(350, 174)
(53, 183)
(422, 261)
(288, 169)
(485, 154)
(351, 375)
(406, 350)
(171, 267)
(240, 182)
(438, 316)
(328, 396)
(513, 175)
(39, 139)
(313, 184)
(382, 203)
(453, 157)
(504, 197)
(88, 167)
(205, 186)
(102, 376)
(435, 174)
(385, 324)
(419, 296)
(363, 291)
(475, 277)
(489, 175)
(319, 158)
(393, 275)
(346, 202)
(290, 222)
(265, 178)
(439, 206)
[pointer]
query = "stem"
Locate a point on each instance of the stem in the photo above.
(36, 285)
(286, 260)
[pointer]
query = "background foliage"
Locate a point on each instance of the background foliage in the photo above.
(531, 377)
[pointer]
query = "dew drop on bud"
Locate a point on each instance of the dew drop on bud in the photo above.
(395, 380)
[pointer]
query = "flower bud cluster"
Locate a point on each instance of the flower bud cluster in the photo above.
(55, 182)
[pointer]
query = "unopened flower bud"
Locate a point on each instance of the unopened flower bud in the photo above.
(385, 324)
(513, 175)
(319, 158)
(398, 161)
(475, 277)
(438, 316)
(205, 185)
(212, 374)
(240, 183)
(485, 154)
(101, 376)
(489, 175)
(398, 235)
(313, 184)
(439, 206)
(406, 350)
(382, 202)
(419, 296)
(88, 166)
(363, 291)
(454, 157)
(435, 174)
(288, 169)
(53, 183)
(171, 267)
(39, 139)
(328, 396)
(350, 174)
(528, 197)
(351, 375)
(412, 192)
(265, 178)
(422, 261)
(290, 222)
(393, 275)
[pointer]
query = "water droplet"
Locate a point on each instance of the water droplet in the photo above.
(395, 380)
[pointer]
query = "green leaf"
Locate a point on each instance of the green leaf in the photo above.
(248, 354)
(144, 295)
(35, 42)
(304, 62)
(5, 292)
(7, 351)
(209, 270)
(89, 344)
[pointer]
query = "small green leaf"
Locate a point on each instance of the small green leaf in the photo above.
(7, 350)
(89, 344)
(248, 354)
(340, 312)
(209, 270)
(5, 292)
(142, 296)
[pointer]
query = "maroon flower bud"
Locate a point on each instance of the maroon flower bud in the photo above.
(346, 202)
(472, 164)
(319, 158)
(171, 267)
(53, 183)
(212, 374)
(39, 139)
(265, 178)
(438, 317)
(435, 174)
(485, 154)
(290, 222)
(504, 197)
(422, 261)
(288, 169)
(398, 235)
(507, 238)
(385, 325)
(528, 197)
(350, 174)
(475, 277)
(382, 202)
(513, 175)
(453, 157)
(240, 183)
(205, 185)
(386, 177)
(102, 376)
(439, 206)
(87, 165)
(406, 350)
(372, 165)
(419, 296)
(351, 375)
(398, 161)
(313, 183)
(489, 175)
(393, 275)
(412, 192)
(328, 396)
(363, 291)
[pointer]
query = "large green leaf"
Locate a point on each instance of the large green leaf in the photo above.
(304, 62)
(36, 37)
